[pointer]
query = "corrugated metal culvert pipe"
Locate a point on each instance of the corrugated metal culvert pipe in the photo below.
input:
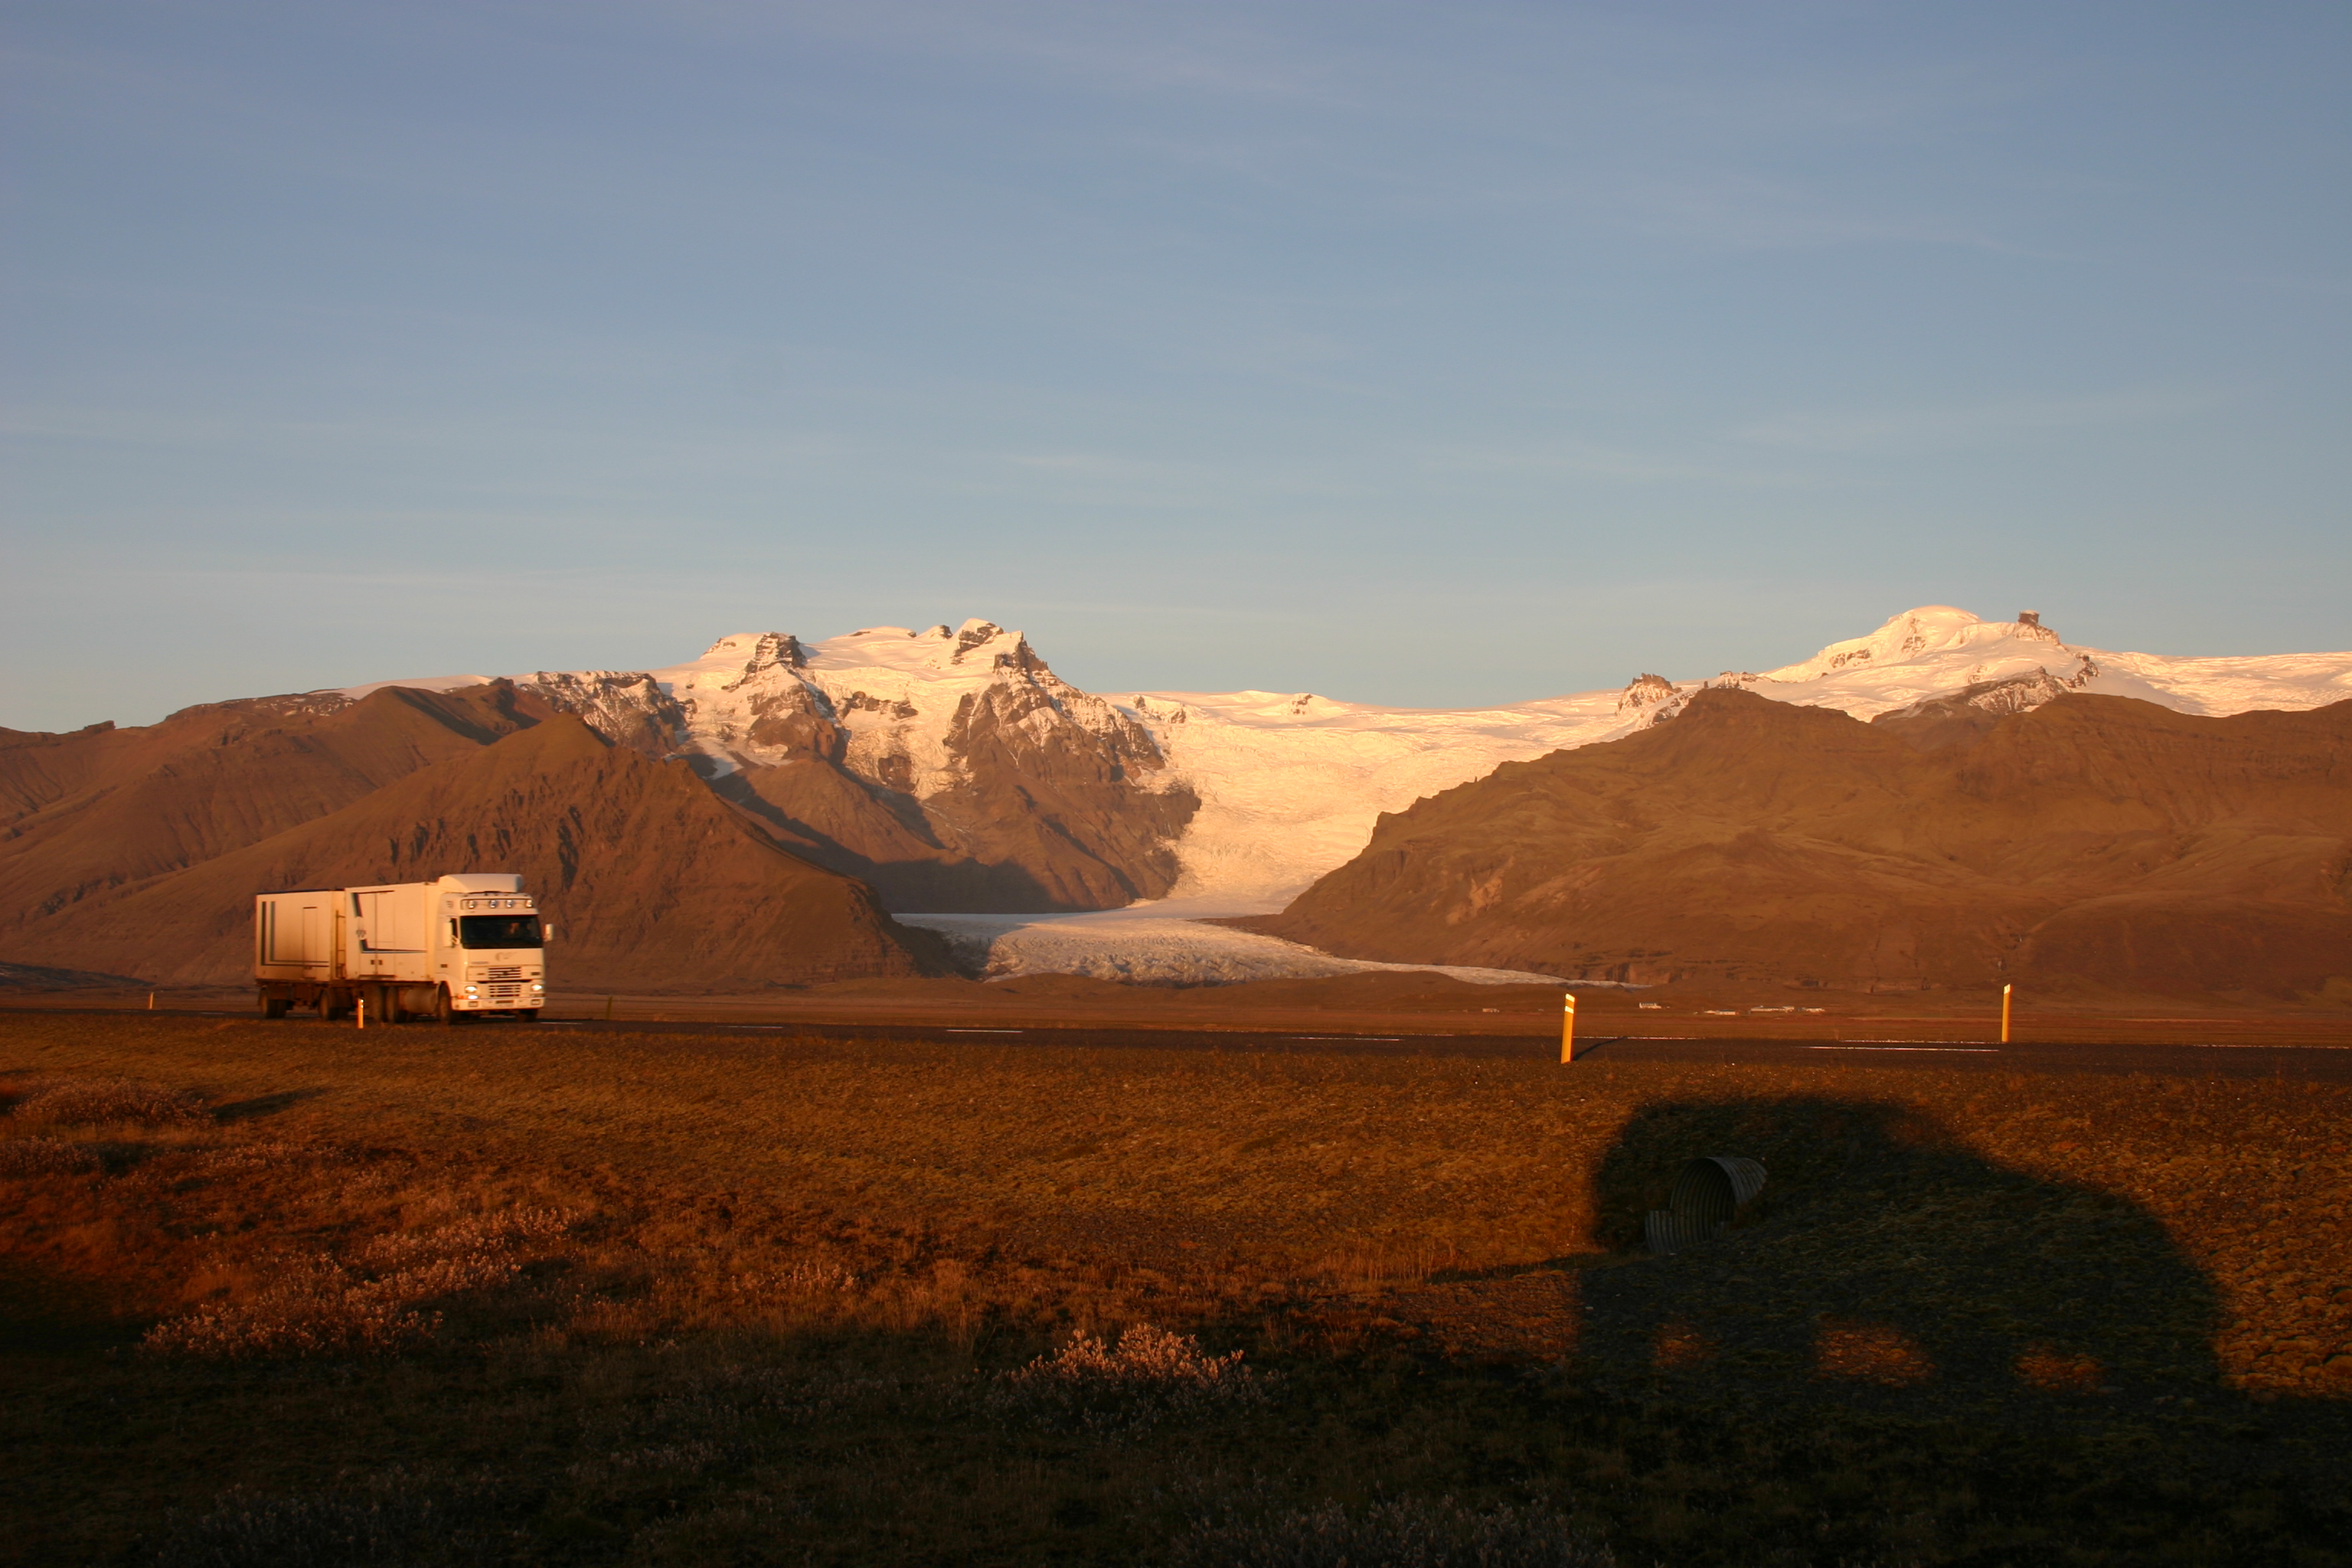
(1701, 1202)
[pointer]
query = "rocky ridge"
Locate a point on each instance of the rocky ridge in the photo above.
(953, 770)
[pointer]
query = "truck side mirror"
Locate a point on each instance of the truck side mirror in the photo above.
(547, 933)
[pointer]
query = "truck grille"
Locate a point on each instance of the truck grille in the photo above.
(502, 993)
(504, 972)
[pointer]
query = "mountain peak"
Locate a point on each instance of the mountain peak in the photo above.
(1916, 634)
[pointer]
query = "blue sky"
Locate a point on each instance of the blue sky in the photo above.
(1418, 353)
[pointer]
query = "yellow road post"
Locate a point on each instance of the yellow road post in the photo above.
(2004, 1012)
(362, 1010)
(1568, 1030)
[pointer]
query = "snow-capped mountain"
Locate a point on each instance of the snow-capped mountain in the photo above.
(957, 771)
(897, 697)
(951, 769)
(1290, 786)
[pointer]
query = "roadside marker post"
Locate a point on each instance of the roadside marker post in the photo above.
(2004, 1012)
(608, 1009)
(151, 1000)
(363, 1012)
(1568, 1030)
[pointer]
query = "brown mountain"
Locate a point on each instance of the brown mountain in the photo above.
(104, 809)
(2094, 841)
(649, 878)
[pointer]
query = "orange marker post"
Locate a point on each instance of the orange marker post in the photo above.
(1568, 1030)
(2004, 1012)
(362, 1011)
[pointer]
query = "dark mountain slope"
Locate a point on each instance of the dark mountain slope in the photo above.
(650, 880)
(2093, 840)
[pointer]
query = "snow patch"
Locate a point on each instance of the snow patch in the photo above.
(420, 683)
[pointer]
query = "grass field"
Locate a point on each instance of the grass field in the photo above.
(284, 1293)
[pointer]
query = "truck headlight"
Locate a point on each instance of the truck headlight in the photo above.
(473, 990)
(536, 987)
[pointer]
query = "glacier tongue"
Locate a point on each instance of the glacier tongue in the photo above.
(1289, 787)
(1124, 945)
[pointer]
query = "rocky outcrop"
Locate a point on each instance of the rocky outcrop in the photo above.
(2073, 841)
(1060, 786)
(628, 708)
(952, 770)
(1960, 717)
(1646, 692)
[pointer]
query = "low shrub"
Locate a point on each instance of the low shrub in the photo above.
(1125, 1389)
(44, 1157)
(1407, 1533)
(108, 1100)
(319, 1305)
(389, 1519)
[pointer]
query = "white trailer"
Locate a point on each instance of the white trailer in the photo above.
(462, 946)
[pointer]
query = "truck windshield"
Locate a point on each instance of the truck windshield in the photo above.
(497, 930)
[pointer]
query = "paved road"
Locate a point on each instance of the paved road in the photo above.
(2323, 1064)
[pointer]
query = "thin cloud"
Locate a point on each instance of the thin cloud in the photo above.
(1595, 461)
(1889, 430)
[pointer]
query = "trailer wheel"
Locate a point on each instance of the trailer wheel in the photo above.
(326, 1004)
(392, 1010)
(273, 1007)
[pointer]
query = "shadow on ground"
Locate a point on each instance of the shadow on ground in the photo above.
(1884, 1260)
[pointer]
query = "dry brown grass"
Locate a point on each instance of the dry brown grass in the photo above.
(577, 1276)
(103, 1101)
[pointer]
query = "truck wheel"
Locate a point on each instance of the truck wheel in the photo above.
(443, 1013)
(393, 1013)
(528, 1014)
(273, 1007)
(326, 1004)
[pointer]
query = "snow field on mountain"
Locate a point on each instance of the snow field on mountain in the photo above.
(1290, 786)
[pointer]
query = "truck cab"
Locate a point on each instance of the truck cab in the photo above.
(491, 952)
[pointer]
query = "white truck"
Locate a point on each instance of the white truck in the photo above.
(463, 946)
